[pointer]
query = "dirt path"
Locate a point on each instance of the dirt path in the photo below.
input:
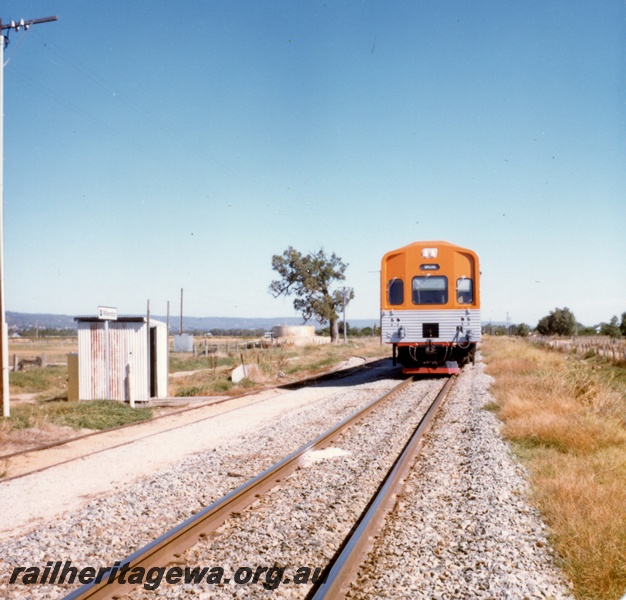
(114, 459)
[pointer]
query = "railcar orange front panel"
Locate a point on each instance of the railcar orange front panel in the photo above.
(400, 267)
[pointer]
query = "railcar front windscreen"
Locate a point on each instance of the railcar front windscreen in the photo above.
(430, 289)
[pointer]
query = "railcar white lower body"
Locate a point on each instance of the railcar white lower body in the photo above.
(432, 341)
(458, 326)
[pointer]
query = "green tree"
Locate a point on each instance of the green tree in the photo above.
(309, 278)
(585, 330)
(349, 330)
(543, 327)
(622, 325)
(560, 321)
(521, 330)
(611, 329)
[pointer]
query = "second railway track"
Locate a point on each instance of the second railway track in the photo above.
(40, 457)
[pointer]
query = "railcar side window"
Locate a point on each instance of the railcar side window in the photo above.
(430, 290)
(395, 291)
(464, 291)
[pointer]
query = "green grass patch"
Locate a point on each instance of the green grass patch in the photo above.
(36, 380)
(191, 390)
(178, 363)
(22, 417)
(492, 406)
(247, 383)
(317, 365)
(216, 387)
(96, 414)
(609, 373)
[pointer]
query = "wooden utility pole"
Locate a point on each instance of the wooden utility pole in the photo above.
(180, 328)
(4, 335)
(345, 295)
(167, 348)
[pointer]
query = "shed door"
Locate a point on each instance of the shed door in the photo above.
(153, 362)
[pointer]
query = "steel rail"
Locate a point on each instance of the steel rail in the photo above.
(299, 383)
(342, 568)
(135, 439)
(186, 534)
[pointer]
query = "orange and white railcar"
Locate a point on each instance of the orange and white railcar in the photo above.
(430, 306)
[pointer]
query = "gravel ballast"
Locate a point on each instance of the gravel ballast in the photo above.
(108, 528)
(461, 528)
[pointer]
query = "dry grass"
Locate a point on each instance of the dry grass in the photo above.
(55, 349)
(567, 421)
(39, 420)
(276, 365)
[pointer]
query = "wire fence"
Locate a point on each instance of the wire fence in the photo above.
(611, 348)
(230, 347)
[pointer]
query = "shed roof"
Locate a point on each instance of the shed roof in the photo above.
(123, 319)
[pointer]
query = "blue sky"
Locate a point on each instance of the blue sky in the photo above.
(153, 145)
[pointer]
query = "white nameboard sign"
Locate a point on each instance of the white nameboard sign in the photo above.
(106, 313)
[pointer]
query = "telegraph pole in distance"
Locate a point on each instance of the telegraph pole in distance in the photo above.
(180, 327)
(4, 333)
(345, 294)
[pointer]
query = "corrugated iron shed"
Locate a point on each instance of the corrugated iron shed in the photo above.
(121, 359)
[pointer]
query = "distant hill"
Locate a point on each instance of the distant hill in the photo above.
(19, 321)
(208, 323)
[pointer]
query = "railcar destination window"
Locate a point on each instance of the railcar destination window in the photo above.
(430, 289)
(395, 291)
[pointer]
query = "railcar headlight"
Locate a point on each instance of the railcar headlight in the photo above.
(429, 252)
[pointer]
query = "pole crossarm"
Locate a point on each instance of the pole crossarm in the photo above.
(17, 25)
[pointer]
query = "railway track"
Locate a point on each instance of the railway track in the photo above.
(180, 545)
(18, 464)
(345, 563)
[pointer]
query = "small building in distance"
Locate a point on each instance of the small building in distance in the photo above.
(183, 342)
(297, 335)
(124, 359)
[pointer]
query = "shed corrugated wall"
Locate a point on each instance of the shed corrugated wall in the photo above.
(128, 361)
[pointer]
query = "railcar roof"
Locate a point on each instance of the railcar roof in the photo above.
(438, 243)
